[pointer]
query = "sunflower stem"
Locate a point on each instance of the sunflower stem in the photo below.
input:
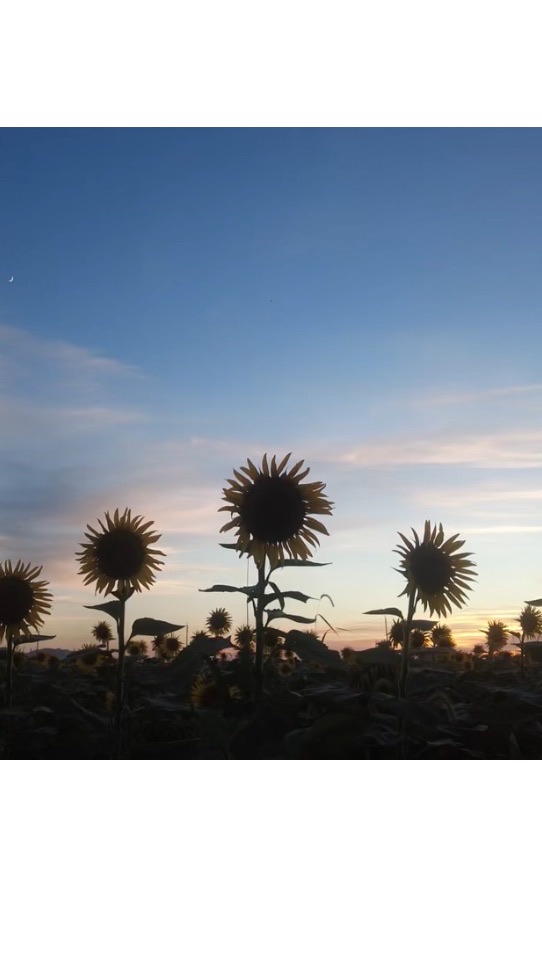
(259, 613)
(406, 644)
(120, 668)
(9, 668)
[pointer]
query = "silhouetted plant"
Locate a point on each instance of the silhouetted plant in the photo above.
(273, 514)
(103, 633)
(442, 636)
(218, 622)
(437, 576)
(530, 620)
(496, 635)
(24, 602)
(120, 560)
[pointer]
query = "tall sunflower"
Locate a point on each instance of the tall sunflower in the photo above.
(119, 557)
(24, 601)
(435, 571)
(272, 511)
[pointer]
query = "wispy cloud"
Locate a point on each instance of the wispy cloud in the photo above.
(511, 449)
(465, 397)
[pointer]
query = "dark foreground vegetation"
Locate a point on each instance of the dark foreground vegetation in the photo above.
(315, 705)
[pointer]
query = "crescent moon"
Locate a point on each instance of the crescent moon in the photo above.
(11, 279)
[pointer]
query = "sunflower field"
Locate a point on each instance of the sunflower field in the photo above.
(255, 691)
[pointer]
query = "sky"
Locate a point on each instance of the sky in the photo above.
(368, 299)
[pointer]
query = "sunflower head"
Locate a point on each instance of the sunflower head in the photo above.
(43, 659)
(166, 647)
(530, 620)
(24, 601)
(244, 636)
(137, 647)
(272, 511)
(102, 632)
(433, 569)
(204, 694)
(441, 635)
(496, 635)
(89, 661)
(396, 632)
(119, 557)
(418, 638)
(218, 622)
(199, 635)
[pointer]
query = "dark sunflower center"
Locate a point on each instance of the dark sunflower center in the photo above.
(171, 644)
(89, 658)
(273, 509)
(120, 554)
(431, 568)
(16, 600)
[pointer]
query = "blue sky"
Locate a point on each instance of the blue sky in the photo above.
(368, 299)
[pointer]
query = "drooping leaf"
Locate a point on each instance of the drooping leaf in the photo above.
(287, 594)
(145, 626)
(326, 622)
(310, 649)
(424, 624)
(384, 612)
(278, 593)
(113, 608)
(279, 614)
(533, 602)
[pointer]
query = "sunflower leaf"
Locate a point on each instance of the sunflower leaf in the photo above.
(319, 616)
(297, 562)
(279, 614)
(145, 626)
(113, 608)
(31, 638)
(424, 624)
(247, 590)
(289, 594)
(309, 648)
(384, 612)
(534, 602)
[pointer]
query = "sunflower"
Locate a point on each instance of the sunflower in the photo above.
(244, 636)
(23, 601)
(530, 620)
(418, 638)
(166, 647)
(89, 661)
(204, 694)
(348, 654)
(43, 659)
(218, 622)
(441, 635)
(119, 557)
(137, 647)
(273, 511)
(103, 633)
(435, 571)
(199, 635)
(496, 635)
(396, 632)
